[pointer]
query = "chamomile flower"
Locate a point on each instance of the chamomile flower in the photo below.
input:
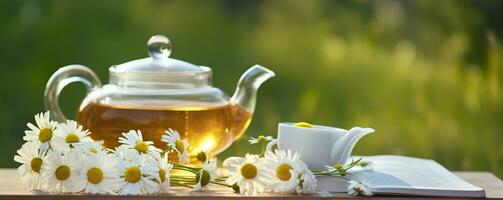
(260, 138)
(207, 174)
(164, 169)
(61, 171)
(356, 188)
(125, 153)
(307, 181)
(42, 132)
(248, 173)
(32, 160)
(137, 175)
(337, 167)
(175, 142)
(90, 148)
(284, 168)
(134, 140)
(69, 134)
(100, 174)
(211, 167)
(231, 161)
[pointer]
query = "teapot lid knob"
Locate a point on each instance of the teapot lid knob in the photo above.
(159, 47)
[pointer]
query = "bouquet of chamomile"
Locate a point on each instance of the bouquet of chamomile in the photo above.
(62, 158)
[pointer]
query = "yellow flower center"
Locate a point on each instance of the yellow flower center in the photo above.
(201, 156)
(94, 175)
(338, 166)
(162, 175)
(72, 138)
(141, 147)
(283, 172)
(36, 164)
(62, 172)
(133, 174)
(93, 150)
(249, 171)
(45, 135)
(304, 124)
(180, 146)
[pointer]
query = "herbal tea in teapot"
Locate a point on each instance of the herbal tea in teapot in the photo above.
(157, 93)
(210, 129)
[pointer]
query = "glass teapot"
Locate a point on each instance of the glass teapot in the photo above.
(157, 93)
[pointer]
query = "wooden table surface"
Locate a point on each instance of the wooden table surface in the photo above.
(11, 187)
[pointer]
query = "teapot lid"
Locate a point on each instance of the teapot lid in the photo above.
(159, 70)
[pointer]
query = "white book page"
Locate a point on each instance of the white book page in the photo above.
(392, 173)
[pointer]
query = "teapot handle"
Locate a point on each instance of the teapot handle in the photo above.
(63, 77)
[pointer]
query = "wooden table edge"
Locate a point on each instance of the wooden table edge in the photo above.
(10, 183)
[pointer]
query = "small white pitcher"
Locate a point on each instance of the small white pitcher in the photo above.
(320, 145)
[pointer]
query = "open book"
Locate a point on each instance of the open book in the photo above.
(399, 175)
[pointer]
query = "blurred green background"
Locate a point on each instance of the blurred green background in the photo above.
(427, 75)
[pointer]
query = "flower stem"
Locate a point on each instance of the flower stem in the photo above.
(262, 144)
(183, 179)
(181, 176)
(181, 184)
(185, 168)
(222, 184)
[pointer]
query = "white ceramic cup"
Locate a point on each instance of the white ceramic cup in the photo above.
(317, 146)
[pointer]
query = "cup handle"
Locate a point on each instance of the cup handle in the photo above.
(63, 77)
(271, 144)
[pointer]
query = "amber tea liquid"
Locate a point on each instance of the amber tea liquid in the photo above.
(210, 129)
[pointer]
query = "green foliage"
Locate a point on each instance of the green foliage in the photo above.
(427, 75)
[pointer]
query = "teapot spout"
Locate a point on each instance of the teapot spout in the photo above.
(246, 90)
(341, 151)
